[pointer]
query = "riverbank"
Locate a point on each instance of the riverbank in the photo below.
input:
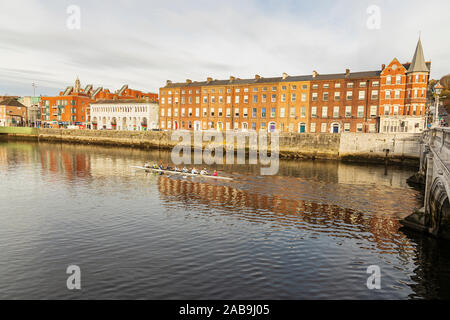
(352, 147)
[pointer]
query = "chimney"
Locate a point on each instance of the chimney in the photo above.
(285, 75)
(347, 72)
(314, 73)
(232, 78)
(188, 81)
(168, 82)
(383, 66)
(257, 77)
(209, 79)
(147, 98)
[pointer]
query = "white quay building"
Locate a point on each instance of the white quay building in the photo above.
(131, 115)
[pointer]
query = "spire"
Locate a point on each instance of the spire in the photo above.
(418, 62)
(77, 85)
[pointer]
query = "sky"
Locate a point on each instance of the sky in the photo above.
(145, 43)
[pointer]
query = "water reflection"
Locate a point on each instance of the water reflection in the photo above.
(313, 216)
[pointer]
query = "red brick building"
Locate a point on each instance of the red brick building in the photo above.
(72, 106)
(344, 102)
(12, 113)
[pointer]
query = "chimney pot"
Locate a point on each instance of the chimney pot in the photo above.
(285, 75)
(314, 73)
(347, 72)
(232, 78)
(383, 66)
(209, 79)
(257, 77)
(168, 82)
(188, 81)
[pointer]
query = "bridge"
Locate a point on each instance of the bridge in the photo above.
(434, 217)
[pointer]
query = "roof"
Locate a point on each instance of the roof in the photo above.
(418, 62)
(122, 101)
(237, 81)
(11, 102)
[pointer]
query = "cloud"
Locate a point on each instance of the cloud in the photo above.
(144, 43)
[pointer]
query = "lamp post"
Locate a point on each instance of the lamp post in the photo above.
(437, 90)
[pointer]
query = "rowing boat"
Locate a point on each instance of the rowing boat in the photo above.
(182, 173)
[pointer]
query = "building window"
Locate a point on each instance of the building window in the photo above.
(303, 97)
(236, 112)
(325, 96)
(360, 113)
(349, 95)
(272, 112)
(245, 112)
(346, 127)
(303, 112)
(292, 114)
(337, 96)
(220, 112)
(397, 94)
(372, 127)
(274, 98)
(293, 97)
(324, 112)
(313, 112)
(282, 113)
(263, 112)
(362, 95)
(264, 98)
(388, 80)
(313, 127)
(255, 98)
(388, 94)
(348, 111)
(314, 96)
(373, 111)
(336, 112)
(254, 113)
(359, 127)
(228, 112)
(323, 127)
(245, 99)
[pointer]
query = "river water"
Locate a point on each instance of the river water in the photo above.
(310, 232)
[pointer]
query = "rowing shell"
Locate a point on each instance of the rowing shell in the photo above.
(182, 173)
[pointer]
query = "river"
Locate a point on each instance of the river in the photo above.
(309, 232)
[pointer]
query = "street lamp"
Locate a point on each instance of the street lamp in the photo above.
(437, 90)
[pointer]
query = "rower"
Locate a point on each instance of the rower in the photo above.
(176, 169)
(194, 171)
(146, 165)
(185, 170)
(215, 173)
(204, 172)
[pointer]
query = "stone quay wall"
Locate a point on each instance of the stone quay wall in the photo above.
(359, 147)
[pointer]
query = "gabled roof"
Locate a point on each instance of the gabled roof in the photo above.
(11, 102)
(418, 62)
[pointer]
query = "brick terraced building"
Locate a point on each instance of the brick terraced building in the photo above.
(333, 103)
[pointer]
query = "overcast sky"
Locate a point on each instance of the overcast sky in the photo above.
(144, 43)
